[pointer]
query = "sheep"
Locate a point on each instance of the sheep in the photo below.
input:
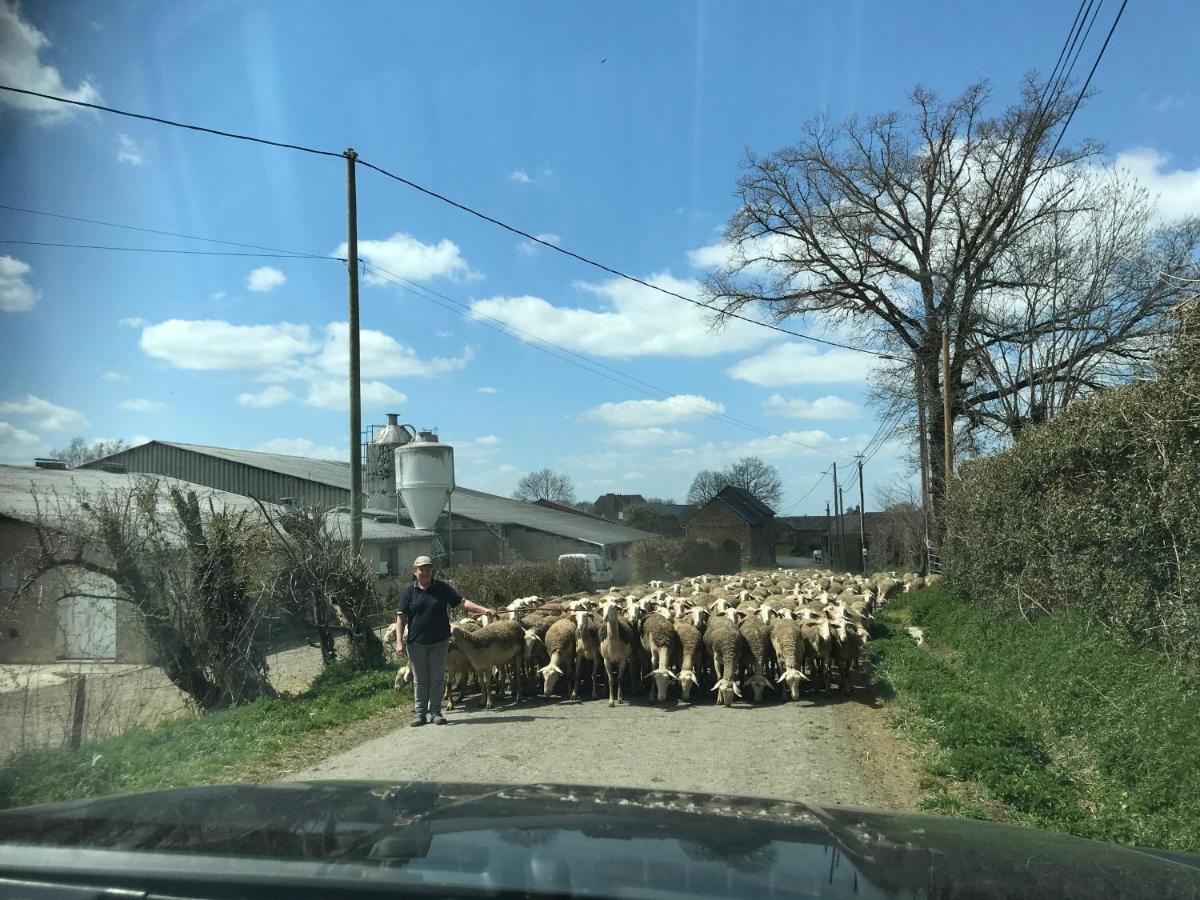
(587, 646)
(495, 646)
(818, 645)
(724, 642)
(757, 635)
(616, 648)
(933, 578)
(560, 644)
(788, 644)
(847, 642)
(915, 584)
(403, 677)
(659, 641)
(691, 652)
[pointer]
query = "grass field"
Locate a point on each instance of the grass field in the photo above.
(219, 747)
(1048, 723)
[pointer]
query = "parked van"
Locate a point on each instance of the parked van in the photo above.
(602, 575)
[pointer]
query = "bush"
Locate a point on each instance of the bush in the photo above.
(499, 585)
(664, 558)
(1097, 509)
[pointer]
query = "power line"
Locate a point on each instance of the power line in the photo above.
(176, 234)
(444, 199)
(161, 121)
(808, 493)
(606, 268)
(163, 250)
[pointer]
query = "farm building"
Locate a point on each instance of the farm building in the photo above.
(477, 528)
(737, 515)
(72, 614)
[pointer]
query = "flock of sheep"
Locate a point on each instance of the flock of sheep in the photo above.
(719, 634)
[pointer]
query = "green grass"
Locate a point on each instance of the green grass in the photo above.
(1051, 724)
(214, 748)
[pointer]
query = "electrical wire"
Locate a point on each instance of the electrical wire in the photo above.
(176, 234)
(807, 493)
(163, 250)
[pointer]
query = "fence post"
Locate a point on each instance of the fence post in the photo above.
(78, 707)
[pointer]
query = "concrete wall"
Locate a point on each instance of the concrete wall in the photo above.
(29, 628)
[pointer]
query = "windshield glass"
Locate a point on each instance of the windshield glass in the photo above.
(823, 377)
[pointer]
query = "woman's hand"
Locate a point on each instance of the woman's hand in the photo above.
(401, 649)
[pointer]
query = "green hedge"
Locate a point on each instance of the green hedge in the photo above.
(497, 585)
(1098, 509)
(1057, 725)
(662, 558)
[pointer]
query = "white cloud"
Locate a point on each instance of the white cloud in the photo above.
(265, 278)
(404, 256)
(140, 404)
(269, 396)
(519, 176)
(50, 416)
(1178, 191)
(114, 377)
(334, 394)
(133, 322)
(212, 344)
(828, 407)
(382, 356)
(128, 151)
(216, 296)
(17, 446)
(301, 447)
(710, 256)
(20, 45)
(443, 333)
(475, 448)
(649, 437)
(633, 321)
(489, 390)
(16, 294)
(796, 363)
(530, 248)
(644, 413)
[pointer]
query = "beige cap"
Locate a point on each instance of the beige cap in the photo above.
(422, 561)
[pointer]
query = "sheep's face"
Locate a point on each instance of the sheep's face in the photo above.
(792, 679)
(726, 690)
(758, 684)
(687, 681)
(699, 617)
(550, 674)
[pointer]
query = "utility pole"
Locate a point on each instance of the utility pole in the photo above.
(862, 519)
(842, 525)
(356, 498)
(828, 536)
(923, 443)
(836, 517)
(948, 427)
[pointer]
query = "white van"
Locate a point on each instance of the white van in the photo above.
(602, 575)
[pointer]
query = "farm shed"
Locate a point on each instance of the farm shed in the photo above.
(486, 528)
(737, 515)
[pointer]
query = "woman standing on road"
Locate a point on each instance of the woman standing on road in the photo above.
(423, 632)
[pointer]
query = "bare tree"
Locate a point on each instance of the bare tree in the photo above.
(545, 484)
(706, 485)
(758, 477)
(189, 572)
(897, 540)
(80, 451)
(898, 227)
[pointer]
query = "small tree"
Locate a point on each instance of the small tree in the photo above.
(648, 517)
(545, 484)
(756, 476)
(80, 451)
(706, 485)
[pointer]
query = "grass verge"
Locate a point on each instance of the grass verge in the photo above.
(215, 748)
(1050, 724)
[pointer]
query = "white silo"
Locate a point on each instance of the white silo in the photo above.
(380, 482)
(424, 478)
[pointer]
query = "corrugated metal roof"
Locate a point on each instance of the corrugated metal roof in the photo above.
(325, 471)
(19, 484)
(502, 511)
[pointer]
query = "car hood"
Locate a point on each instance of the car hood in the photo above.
(582, 839)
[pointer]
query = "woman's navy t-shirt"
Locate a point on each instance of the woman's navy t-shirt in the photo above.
(428, 611)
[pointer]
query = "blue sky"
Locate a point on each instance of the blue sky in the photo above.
(615, 129)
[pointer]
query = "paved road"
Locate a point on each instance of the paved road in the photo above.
(806, 750)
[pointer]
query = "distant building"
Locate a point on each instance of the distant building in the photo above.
(803, 534)
(476, 528)
(613, 506)
(736, 514)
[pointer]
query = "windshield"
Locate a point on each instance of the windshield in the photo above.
(824, 377)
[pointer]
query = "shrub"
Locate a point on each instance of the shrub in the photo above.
(498, 585)
(1097, 509)
(678, 558)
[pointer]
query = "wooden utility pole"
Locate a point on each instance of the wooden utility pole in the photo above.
(828, 534)
(837, 516)
(862, 519)
(948, 425)
(356, 497)
(923, 444)
(842, 525)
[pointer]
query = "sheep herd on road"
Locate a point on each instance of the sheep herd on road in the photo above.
(737, 636)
